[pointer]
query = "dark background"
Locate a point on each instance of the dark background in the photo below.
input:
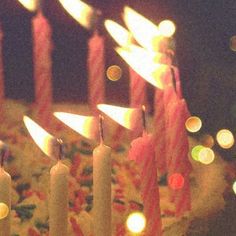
(206, 63)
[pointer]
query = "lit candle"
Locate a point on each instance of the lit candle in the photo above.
(58, 202)
(5, 195)
(102, 188)
(143, 153)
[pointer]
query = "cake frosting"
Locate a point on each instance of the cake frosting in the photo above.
(30, 168)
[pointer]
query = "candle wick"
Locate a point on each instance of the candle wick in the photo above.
(61, 151)
(173, 77)
(144, 118)
(101, 128)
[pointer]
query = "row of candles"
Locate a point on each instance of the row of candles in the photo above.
(152, 63)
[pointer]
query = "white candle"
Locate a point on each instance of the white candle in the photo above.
(5, 196)
(58, 206)
(102, 190)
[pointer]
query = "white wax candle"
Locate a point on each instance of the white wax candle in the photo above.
(5, 197)
(58, 205)
(102, 190)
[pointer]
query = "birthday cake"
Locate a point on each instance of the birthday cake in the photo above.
(30, 168)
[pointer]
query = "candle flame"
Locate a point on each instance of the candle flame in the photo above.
(31, 5)
(87, 126)
(129, 118)
(144, 65)
(143, 30)
(121, 35)
(45, 141)
(83, 13)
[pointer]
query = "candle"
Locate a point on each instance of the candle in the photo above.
(2, 93)
(102, 188)
(96, 83)
(58, 203)
(5, 194)
(42, 48)
(143, 153)
(177, 157)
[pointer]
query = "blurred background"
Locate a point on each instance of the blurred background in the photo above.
(206, 62)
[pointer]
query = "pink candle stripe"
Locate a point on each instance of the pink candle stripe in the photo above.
(178, 161)
(42, 48)
(96, 69)
(143, 153)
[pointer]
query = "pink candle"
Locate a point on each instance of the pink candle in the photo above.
(96, 83)
(2, 93)
(143, 153)
(178, 148)
(42, 48)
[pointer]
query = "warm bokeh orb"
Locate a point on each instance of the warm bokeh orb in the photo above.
(136, 222)
(167, 28)
(193, 124)
(195, 152)
(206, 156)
(234, 187)
(4, 210)
(176, 181)
(225, 138)
(207, 140)
(114, 72)
(233, 43)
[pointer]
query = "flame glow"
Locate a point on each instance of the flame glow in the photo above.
(144, 31)
(31, 5)
(80, 11)
(121, 35)
(129, 118)
(143, 64)
(84, 125)
(45, 141)
(136, 222)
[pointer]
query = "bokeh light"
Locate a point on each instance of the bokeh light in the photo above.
(207, 140)
(233, 43)
(225, 138)
(234, 187)
(136, 222)
(206, 156)
(195, 152)
(114, 72)
(167, 28)
(193, 124)
(176, 181)
(4, 210)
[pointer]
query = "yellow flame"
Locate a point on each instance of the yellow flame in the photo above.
(144, 65)
(136, 222)
(45, 141)
(31, 5)
(225, 138)
(121, 35)
(234, 187)
(167, 28)
(84, 125)
(130, 118)
(80, 11)
(143, 30)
